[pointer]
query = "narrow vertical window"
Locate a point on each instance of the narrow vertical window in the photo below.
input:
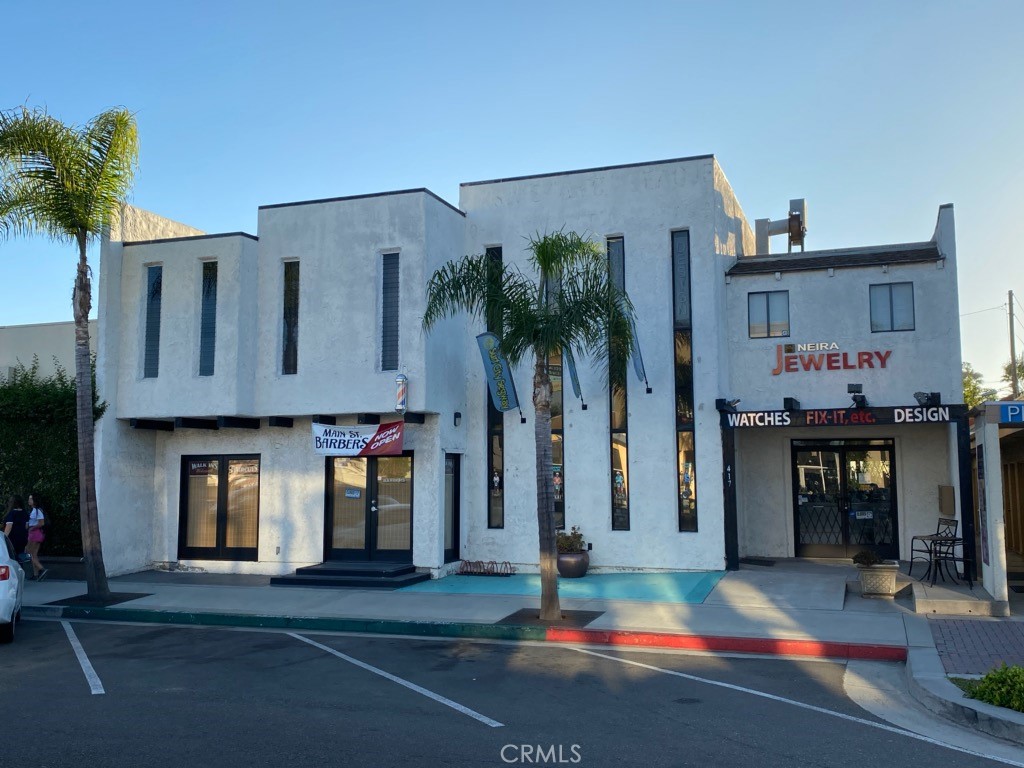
(619, 433)
(208, 319)
(495, 418)
(557, 437)
(154, 296)
(683, 332)
(389, 305)
(290, 335)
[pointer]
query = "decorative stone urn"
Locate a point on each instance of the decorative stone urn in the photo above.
(877, 576)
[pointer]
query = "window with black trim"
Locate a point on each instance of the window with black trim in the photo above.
(154, 298)
(208, 319)
(389, 324)
(683, 336)
(892, 307)
(290, 347)
(768, 314)
(495, 418)
(617, 393)
(220, 507)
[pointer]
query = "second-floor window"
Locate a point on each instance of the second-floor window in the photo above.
(290, 348)
(389, 314)
(892, 307)
(208, 319)
(768, 314)
(154, 297)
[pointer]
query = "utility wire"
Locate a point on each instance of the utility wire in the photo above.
(979, 311)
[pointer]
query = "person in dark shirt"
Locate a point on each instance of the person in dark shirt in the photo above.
(16, 524)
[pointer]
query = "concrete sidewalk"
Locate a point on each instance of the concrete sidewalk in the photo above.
(804, 610)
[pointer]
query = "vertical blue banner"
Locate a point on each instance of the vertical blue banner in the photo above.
(499, 377)
(638, 360)
(573, 377)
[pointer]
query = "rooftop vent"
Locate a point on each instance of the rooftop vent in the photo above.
(794, 225)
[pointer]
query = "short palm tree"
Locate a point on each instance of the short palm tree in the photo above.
(67, 183)
(571, 307)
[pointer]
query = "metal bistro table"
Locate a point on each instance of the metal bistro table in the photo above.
(942, 552)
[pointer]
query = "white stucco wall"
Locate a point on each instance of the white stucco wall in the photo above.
(52, 344)
(643, 204)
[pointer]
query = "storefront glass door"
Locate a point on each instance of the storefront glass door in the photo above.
(369, 508)
(844, 498)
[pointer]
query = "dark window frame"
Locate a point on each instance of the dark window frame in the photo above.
(768, 316)
(684, 326)
(290, 303)
(154, 303)
(495, 423)
(390, 311)
(617, 273)
(892, 313)
(220, 551)
(208, 318)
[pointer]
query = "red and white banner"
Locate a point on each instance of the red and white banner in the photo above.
(371, 440)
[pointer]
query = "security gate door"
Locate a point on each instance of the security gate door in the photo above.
(369, 508)
(844, 498)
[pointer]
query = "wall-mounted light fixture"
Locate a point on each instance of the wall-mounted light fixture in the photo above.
(726, 406)
(928, 399)
(790, 404)
(859, 401)
(458, 418)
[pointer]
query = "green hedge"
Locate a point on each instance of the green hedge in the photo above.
(39, 449)
(1003, 687)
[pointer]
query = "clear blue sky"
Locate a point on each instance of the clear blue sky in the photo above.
(876, 112)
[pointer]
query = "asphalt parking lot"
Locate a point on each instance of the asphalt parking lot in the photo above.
(200, 696)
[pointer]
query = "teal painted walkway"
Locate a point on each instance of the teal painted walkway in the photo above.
(684, 587)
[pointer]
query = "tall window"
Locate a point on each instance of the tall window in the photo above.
(685, 451)
(557, 437)
(892, 307)
(154, 296)
(208, 319)
(768, 314)
(389, 325)
(617, 364)
(290, 348)
(495, 420)
(220, 503)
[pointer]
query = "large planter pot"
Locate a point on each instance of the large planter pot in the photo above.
(878, 580)
(572, 565)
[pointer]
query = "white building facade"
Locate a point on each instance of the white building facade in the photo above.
(218, 353)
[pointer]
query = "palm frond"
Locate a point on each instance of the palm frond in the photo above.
(113, 144)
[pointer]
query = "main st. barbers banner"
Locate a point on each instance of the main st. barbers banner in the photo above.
(370, 440)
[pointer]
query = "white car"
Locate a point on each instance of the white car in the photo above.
(12, 588)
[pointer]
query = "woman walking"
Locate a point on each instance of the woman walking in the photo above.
(36, 535)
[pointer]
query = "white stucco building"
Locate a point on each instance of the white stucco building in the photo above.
(219, 352)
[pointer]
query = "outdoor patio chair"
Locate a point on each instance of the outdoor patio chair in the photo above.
(922, 547)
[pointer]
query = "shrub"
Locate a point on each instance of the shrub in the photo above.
(866, 557)
(39, 449)
(571, 542)
(1003, 687)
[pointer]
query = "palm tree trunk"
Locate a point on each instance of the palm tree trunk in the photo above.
(95, 572)
(550, 610)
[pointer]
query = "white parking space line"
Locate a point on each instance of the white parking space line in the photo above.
(411, 686)
(793, 702)
(90, 674)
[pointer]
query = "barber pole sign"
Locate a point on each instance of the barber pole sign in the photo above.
(372, 440)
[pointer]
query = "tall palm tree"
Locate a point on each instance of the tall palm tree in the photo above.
(67, 183)
(571, 307)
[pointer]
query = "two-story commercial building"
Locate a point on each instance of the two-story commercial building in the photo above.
(777, 418)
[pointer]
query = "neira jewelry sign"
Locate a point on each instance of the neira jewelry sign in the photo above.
(825, 356)
(371, 440)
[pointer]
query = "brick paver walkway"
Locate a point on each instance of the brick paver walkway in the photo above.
(975, 646)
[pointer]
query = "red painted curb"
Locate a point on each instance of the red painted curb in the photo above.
(769, 646)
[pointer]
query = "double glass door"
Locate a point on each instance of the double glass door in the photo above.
(369, 508)
(844, 498)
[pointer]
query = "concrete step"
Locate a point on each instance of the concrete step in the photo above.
(344, 568)
(349, 581)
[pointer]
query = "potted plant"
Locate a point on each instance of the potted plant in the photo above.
(877, 576)
(573, 558)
